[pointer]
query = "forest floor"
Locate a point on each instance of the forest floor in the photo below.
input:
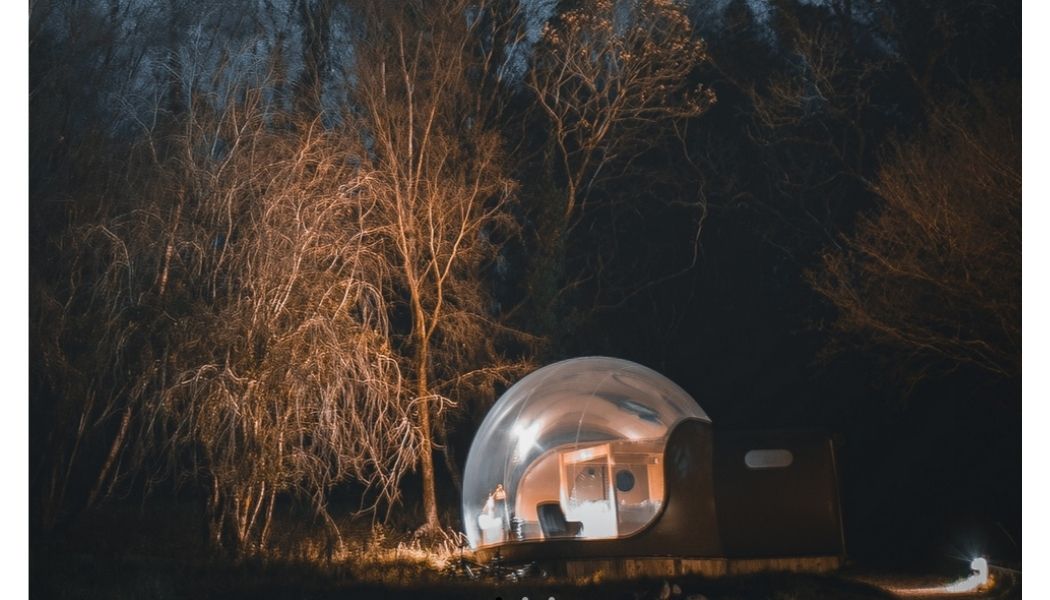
(120, 556)
(85, 576)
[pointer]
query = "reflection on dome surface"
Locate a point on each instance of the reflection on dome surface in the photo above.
(574, 450)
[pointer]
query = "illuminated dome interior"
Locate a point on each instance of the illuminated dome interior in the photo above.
(573, 450)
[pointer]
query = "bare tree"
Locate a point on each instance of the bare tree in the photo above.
(244, 282)
(611, 77)
(284, 376)
(235, 305)
(435, 173)
(613, 87)
(811, 118)
(84, 407)
(935, 271)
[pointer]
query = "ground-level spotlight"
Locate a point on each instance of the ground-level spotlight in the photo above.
(978, 578)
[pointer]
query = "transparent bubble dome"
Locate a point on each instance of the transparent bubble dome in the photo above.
(573, 450)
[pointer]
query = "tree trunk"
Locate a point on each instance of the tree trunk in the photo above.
(264, 537)
(114, 450)
(440, 432)
(216, 517)
(426, 456)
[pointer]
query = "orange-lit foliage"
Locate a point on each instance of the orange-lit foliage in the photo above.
(242, 289)
(238, 273)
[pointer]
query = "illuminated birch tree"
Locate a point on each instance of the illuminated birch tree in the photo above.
(435, 179)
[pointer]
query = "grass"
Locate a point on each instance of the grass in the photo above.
(130, 554)
(90, 577)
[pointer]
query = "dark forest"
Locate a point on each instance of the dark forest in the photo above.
(286, 254)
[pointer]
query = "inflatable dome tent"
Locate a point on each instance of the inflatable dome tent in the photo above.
(601, 463)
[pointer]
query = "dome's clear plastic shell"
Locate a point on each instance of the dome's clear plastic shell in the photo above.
(575, 450)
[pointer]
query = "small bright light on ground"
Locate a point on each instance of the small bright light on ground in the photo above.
(980, 565)
(977, 579)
